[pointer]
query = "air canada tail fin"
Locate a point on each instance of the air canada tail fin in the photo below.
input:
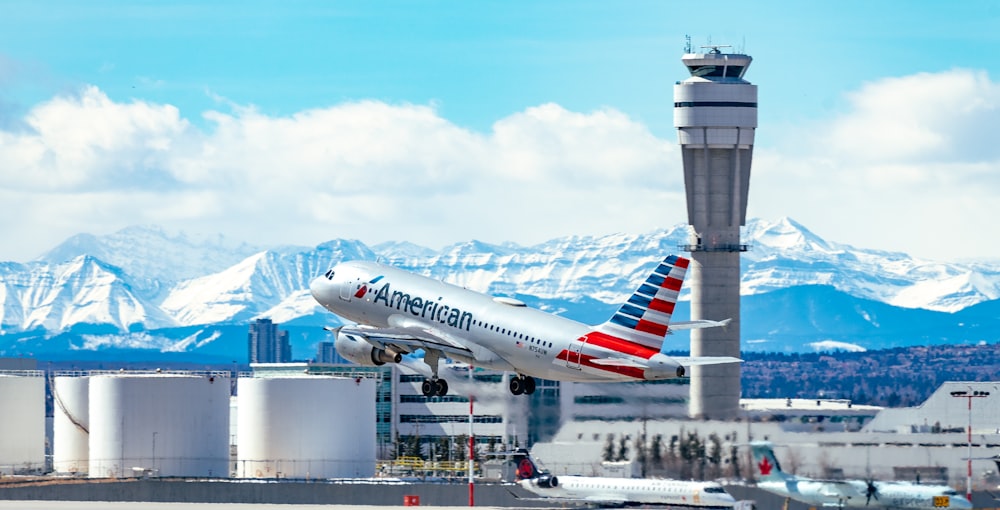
(766, 464)
(525, 465)
(527, 470)
(645, 317)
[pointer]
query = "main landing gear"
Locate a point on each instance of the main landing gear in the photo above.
(434, 387)
(522, 384)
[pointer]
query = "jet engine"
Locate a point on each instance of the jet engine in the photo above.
(546, 481)
(661, 366)
(363, 353)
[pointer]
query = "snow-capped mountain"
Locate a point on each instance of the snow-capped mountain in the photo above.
(268, 284)
(83, 290)
(153, 258)
(142, 279)
(786, 254)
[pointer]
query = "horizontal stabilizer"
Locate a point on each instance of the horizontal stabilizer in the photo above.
(706, 360)
(699, 324)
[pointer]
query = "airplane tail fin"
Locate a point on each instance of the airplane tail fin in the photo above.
(525, 465)
(645, 317)
(527, 470)
(766, 464)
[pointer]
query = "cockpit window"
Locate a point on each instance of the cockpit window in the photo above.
(329, 274)
(717, 490)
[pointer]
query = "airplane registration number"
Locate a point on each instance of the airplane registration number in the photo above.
(942, 502)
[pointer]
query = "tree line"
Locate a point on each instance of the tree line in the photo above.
(684, 456)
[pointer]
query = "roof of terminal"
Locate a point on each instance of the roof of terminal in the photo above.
(805, 405)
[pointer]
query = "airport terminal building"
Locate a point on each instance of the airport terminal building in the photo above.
(569, 426)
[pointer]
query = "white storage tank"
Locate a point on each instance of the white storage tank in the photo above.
(71, 424)
(159, 424)
(22, 421)
(306, 427)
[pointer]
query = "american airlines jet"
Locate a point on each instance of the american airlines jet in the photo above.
(398, 312)
(618, 492)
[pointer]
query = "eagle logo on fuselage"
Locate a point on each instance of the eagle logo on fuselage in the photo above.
(363, 289)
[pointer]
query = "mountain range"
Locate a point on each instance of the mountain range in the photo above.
(143, 292)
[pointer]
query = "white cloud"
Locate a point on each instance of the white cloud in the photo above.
(920, 117)
(550, 143)
(366, 170)
(912, 167)
(89, 142)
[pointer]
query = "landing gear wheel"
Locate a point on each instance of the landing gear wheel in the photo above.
(441, 387)
(428, 388)
(516, 385)
(529, 385)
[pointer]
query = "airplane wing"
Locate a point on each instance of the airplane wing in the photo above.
(839, 488)
(406, 339)
(603, 502)
(590, 500)
(699, 324)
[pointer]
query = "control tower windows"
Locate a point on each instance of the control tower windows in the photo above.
(712, 71)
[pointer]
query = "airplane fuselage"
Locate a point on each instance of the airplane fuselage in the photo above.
(634, 491)
(852, 493)
(498, 333)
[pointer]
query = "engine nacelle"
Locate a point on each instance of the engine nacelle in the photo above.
(362, 352)
(547, 481)
(661, 366)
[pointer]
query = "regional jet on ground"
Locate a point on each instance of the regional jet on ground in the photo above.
(398, 312)
(603, 491)
(850, 493)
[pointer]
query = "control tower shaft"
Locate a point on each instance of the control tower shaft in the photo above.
(715, 112)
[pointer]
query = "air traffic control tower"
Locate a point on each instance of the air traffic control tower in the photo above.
(715, 112)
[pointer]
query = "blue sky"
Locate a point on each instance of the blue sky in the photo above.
(437, 122)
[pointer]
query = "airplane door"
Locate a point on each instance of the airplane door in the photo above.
(347, 290)
(576, 353)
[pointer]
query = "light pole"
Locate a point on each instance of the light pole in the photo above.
(969, 395)
(472, 444)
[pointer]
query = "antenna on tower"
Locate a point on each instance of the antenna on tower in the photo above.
(714, 48)
(687, 44)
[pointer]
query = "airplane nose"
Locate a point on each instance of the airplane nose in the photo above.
(318, 287)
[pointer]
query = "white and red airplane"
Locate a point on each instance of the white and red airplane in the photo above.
(618, 492)
(398, 312)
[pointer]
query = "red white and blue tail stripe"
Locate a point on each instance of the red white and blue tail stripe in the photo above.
(645, 317)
